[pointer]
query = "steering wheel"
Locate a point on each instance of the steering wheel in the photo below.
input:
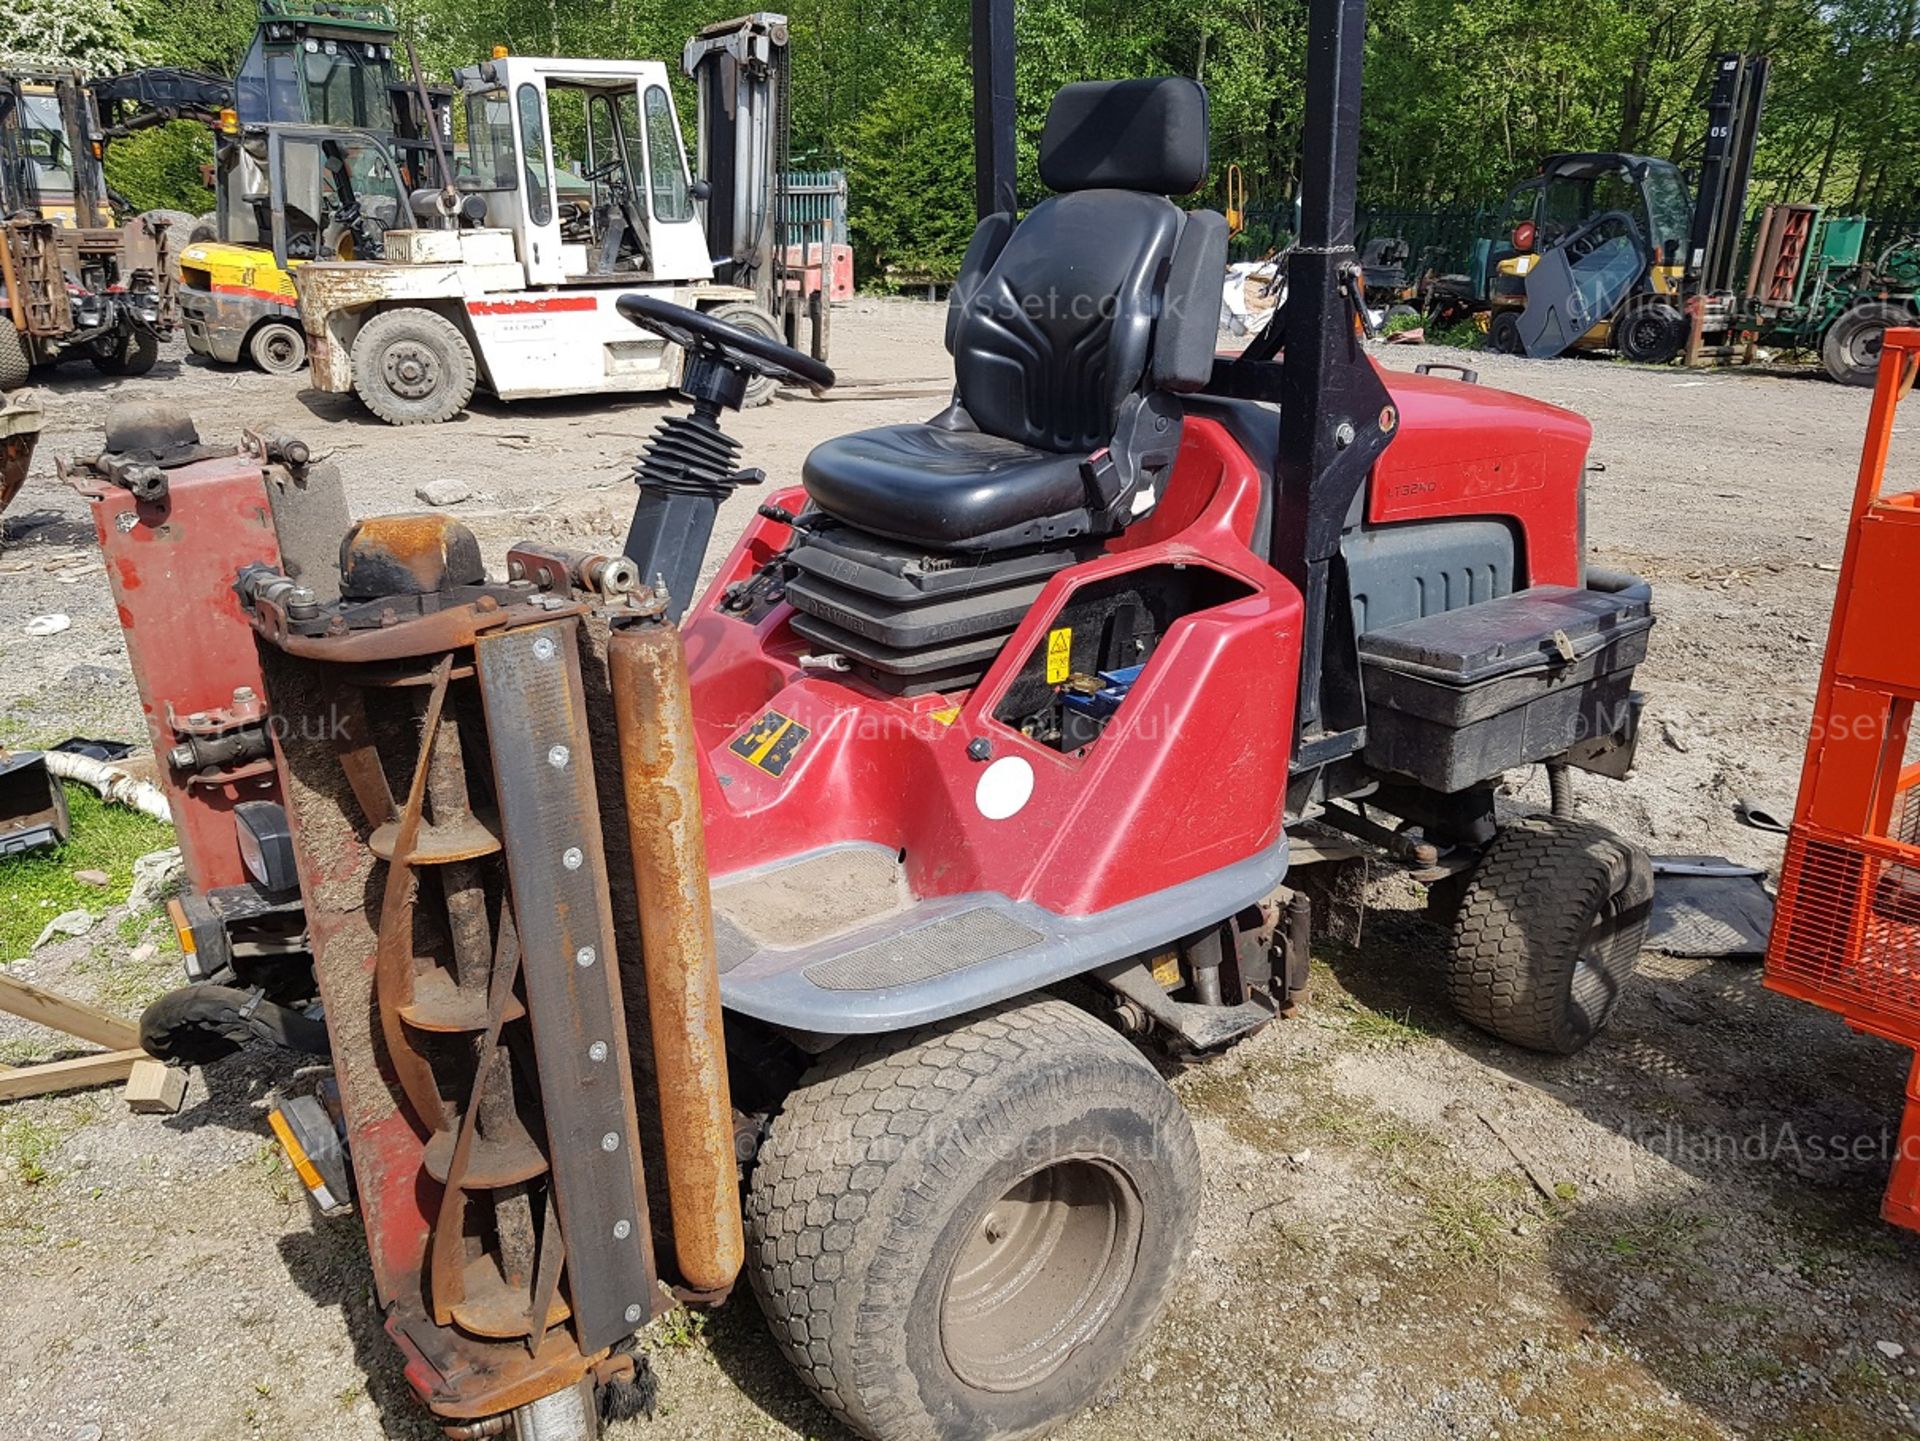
(704, 337)
(603, 171)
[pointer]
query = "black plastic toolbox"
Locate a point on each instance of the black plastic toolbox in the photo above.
(1456, 698)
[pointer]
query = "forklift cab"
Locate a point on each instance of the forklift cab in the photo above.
(309, 67)
(333, 194)
(48, 163)
(1571, 191)
(1593, 239)
(582, 160)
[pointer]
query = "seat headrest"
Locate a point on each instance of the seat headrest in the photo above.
(1148, 135)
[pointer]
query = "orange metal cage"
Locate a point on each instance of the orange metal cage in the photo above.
(1846, 931)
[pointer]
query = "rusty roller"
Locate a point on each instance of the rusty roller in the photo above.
(654, 710)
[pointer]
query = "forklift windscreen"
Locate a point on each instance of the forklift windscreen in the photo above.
(490, 162)
(315, 80)
(1669, 208)
(45, 137)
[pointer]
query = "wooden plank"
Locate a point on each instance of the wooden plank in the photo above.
(74, 1075)
(76, 1018)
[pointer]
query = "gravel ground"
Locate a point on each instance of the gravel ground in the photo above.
(1700, 1258)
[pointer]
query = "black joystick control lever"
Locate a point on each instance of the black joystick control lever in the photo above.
(689, 466)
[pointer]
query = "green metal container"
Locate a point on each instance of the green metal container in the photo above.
(1841, 240)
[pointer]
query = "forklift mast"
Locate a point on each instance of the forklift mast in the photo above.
(740, 68)
(1734, 106)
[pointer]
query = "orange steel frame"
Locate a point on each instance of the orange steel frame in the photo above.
(1846, 932)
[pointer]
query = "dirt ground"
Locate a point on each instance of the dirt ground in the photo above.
(1689, 1249)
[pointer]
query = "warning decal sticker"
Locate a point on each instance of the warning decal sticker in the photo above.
(1059, 654)
(771, 742)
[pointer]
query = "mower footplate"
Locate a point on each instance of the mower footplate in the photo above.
(906, 962)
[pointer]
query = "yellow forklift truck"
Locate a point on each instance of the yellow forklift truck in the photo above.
(1592, 256)
(312, 63)
(75, 279)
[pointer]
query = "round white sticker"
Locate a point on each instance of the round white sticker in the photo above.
(1003, 788)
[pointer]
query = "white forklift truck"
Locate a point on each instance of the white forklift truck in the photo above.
(506, 279)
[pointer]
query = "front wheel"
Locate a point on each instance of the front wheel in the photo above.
(130, 354)
(412, 367)
(1503, 333)
(1851, 350)
(1650, 332)
(967, 1231)
(16, 361)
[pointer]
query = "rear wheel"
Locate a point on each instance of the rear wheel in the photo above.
(967, 1231)
(752, 318)
(412, 367)
(1851, 350)
(15, 364)
(1503, 333)
(1547, 932)
(129, 354)
(278, 347)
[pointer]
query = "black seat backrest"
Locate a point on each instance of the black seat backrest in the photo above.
(1107, 292)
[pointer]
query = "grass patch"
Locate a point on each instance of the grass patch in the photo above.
(1867, 1378)
(1381, 1030)
(123, 986)
(1468, 1220)
(1663, 1237)
(35, 888)
(1394, 324)
(681, 1329)
(27, 1144)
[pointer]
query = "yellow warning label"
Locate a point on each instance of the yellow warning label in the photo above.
(1059, 654)
(1166, 970)
(770, 743)
(948, 716)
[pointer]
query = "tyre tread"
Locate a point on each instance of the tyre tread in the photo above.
(373, 395)
(1521, 924)
(16, 365)
(811, 1190)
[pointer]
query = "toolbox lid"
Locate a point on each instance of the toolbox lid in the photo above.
(1540, 628)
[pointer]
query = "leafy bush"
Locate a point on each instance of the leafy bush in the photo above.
(910, 173)
(160, 169)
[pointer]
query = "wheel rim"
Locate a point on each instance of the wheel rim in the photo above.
(1864, 346)
(411, 370)
(1042, 1270)
(280, 349)
(1647, 334)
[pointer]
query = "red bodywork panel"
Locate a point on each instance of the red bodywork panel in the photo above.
(1180, 785)
(1192, 774)
(1462, 451)
(172, 565)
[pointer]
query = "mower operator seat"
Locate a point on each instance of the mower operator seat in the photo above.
(1071, 332)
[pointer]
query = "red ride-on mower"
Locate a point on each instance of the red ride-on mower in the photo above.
(982, 760)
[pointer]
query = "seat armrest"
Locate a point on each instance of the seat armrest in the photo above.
(989, 239)
(1189, 321)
